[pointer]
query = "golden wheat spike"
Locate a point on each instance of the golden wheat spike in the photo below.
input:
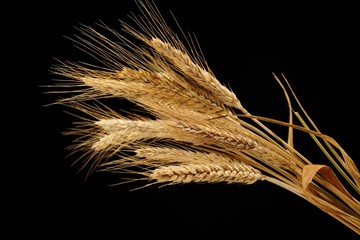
(207, 172)
(166, 155)
(196, 73)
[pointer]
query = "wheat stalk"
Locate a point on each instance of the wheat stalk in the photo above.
(190, 131)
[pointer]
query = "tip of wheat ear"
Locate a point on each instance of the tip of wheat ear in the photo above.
(227, 172)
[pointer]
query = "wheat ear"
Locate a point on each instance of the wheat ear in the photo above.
(171, 155)
(138, 85)
(219, 172)
(195, 72)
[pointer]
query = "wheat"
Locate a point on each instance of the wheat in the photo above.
(219, 172)
(199, 75)
(139, 85)
(152, 157)
(171, 155)
(189, 130)
(122, 132)
(224, 137)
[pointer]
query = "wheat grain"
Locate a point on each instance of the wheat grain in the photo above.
(210, 172)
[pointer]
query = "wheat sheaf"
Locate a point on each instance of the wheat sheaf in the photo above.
(193, 128)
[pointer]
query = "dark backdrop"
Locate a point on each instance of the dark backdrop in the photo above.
(316, 47)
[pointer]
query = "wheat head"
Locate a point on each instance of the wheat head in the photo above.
(219, 172)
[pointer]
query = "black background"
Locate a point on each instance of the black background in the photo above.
(316, 47)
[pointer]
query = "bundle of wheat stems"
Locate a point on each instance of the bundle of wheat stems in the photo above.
(194, 129)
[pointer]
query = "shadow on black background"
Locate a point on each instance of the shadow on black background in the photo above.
(313, 46)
